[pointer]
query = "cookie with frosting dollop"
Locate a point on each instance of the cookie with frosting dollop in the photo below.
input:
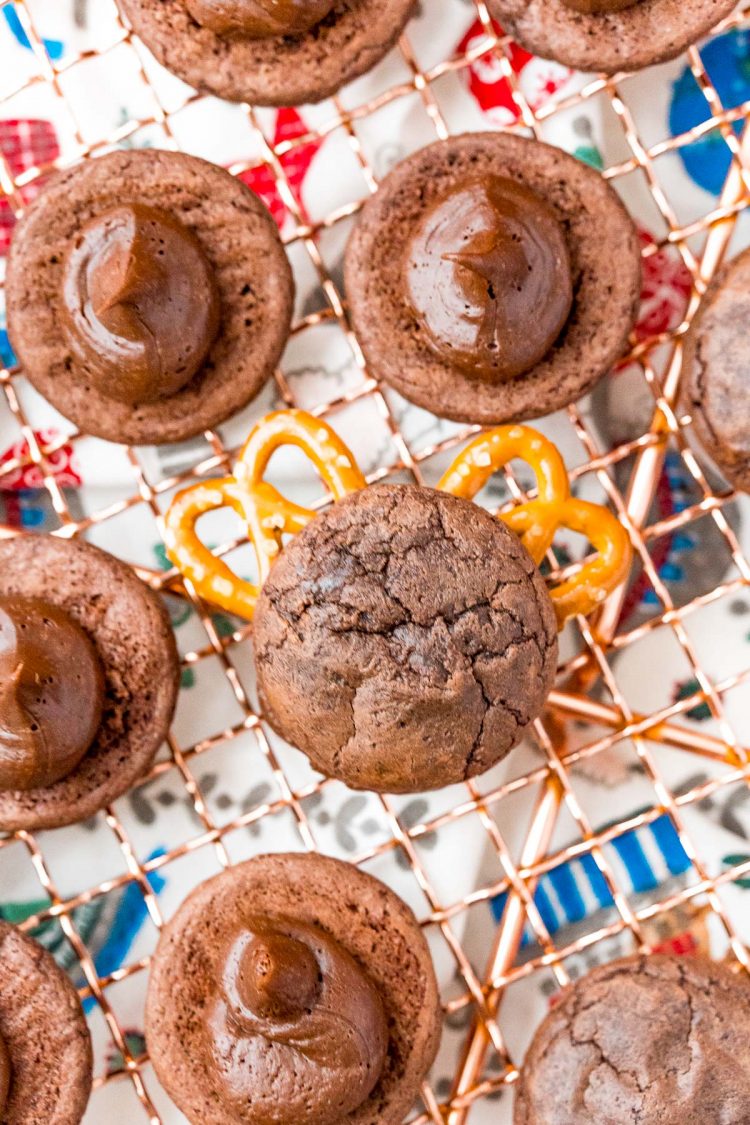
(293, 989)
(149, 295)
(475, 286)
(45, 1046)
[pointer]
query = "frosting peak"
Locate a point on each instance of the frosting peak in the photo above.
(277, 976)
(488, 278)
(259, 19)
(298, 1026)
(140, 303)
(51, 693)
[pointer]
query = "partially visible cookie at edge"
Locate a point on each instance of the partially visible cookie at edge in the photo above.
(637, 35)
(716, 371)
(45, 1046)
(132, 637)
(651, 1039)
(292, 69)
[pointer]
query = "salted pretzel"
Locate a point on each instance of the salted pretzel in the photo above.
(269, 515)
(537, 521)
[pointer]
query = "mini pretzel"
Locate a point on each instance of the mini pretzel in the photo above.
(267, 513)
(537, 521)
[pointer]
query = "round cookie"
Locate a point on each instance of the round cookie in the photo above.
(639, 35)
(404, 640)
(716, 387)
(295, 1058)
(251, 272)
(606, 277)
(131, 634)
(43, 1029)
(644, 1039)
(282, 70)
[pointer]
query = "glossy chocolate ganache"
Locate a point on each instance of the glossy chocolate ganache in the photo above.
(489, 279)
(140, 303)
(298, 1031)
(259, 19)
(51, 693)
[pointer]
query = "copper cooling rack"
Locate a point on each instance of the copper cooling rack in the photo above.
(588, 696)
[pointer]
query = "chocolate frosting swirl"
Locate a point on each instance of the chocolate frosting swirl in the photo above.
(51, 693)
(140, 303)
(599, 7)
(259, 19)
(489, 278)
(298, 1032)
(6, 1074)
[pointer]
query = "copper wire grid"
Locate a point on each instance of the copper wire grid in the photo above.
(599, 639)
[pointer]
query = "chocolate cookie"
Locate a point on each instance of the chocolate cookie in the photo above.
(268, 53)
(45, 1048)
(404, 640)
(149, 295)
(716, 389)
(475, 287)
(644, 1039)
(608, 35)
(294, 989)
(89, 675)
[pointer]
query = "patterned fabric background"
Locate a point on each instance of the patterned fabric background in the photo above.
(571, 898)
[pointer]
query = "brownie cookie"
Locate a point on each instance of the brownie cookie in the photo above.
(475, 287)
(608, 35)
(716, 388)
(294, 989)
(266, 52)
(89, 675)
(149, 295)
(45, 1048)
(643, 1039)
(404, 640)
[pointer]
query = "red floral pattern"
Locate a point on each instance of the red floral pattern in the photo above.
(62, 463)
(24, 143)
(667, 285)
(296, 163)
(539, 79)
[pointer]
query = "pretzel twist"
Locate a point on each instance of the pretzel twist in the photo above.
(269, 515)
(537, 521)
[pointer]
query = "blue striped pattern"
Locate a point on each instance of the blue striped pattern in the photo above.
(577, 889)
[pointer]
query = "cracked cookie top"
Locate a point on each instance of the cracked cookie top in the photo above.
(404, 640)
(641, 1040)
